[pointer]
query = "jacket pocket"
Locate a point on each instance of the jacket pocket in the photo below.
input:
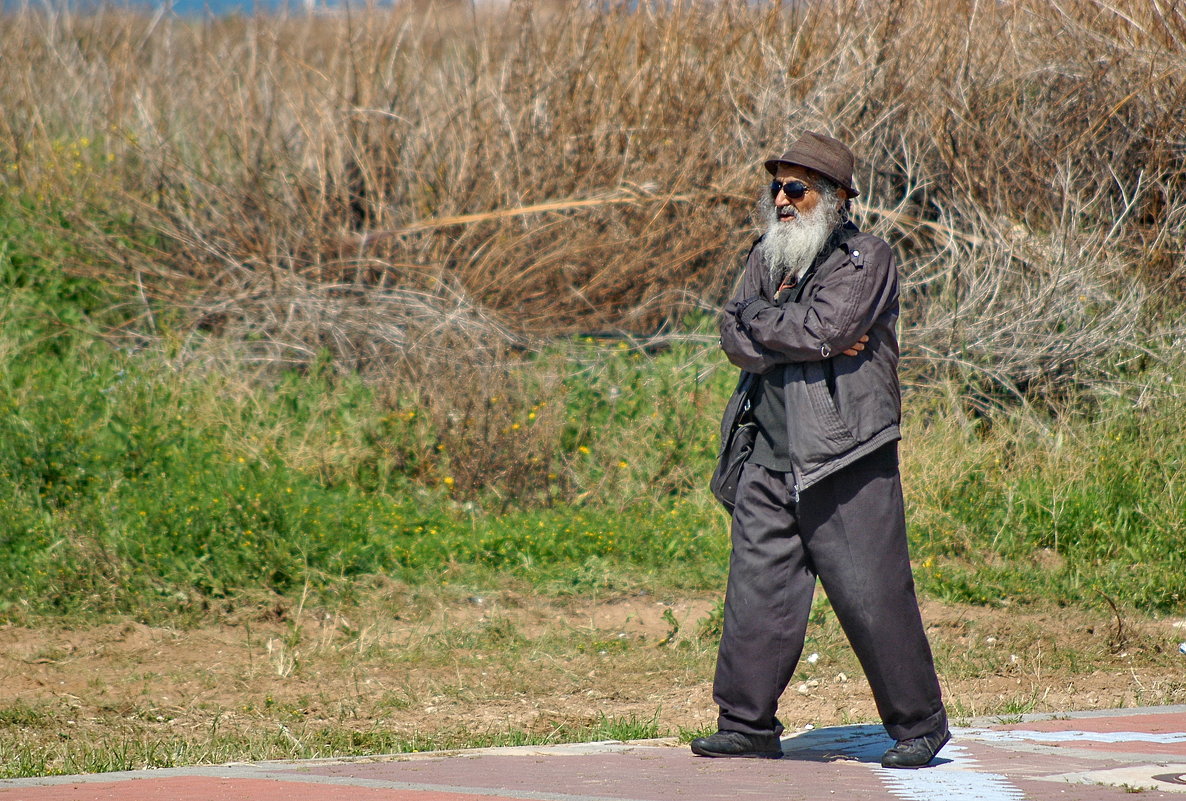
(865, 395)
(817, 434)
(823, 405)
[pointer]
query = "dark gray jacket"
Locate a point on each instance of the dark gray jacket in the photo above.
(839, 408)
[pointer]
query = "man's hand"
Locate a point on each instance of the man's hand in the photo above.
(857, 346)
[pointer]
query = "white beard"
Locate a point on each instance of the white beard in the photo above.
(790, 246)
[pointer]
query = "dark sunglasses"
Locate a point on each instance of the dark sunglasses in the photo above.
(792, 189)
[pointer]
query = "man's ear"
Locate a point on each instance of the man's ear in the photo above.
(843, 195)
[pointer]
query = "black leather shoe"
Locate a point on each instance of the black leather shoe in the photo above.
(738, 744)
(917, 751)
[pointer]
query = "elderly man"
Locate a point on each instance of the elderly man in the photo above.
(814, 322)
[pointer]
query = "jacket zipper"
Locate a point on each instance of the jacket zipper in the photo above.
(802, 288)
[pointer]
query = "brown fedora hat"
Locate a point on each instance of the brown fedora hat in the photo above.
(829, 157)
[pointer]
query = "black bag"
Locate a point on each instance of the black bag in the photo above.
(738, 432)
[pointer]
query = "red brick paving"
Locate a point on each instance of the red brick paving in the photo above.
(1159, 723)
(657, 773)
(1155, 723)
(204, 788)
(840, 763)
(1176, 750)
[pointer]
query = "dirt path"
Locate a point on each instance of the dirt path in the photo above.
(421, 667)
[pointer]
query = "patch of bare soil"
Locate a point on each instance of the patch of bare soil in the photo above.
(508, 662)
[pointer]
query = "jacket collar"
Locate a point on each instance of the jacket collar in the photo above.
(838, 239)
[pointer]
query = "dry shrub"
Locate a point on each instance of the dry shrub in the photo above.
(551, 168)
(287, 320)
(498, 422)
(1026, 315)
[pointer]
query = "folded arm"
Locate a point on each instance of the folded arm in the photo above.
(840, 308)
(737, 342)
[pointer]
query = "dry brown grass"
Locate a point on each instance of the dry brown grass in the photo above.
(354, 181)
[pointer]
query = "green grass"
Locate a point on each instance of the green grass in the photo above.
(1080, 510)
(284, 741)
(131, 483)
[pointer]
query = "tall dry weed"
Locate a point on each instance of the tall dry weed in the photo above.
(499, 425)
(328, 181)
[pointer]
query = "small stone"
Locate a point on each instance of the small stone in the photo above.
(841, 677)
(803, 689)
(812, 658)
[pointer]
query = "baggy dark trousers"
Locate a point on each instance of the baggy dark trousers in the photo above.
(850, 531)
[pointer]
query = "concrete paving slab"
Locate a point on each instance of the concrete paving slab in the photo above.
(1075, 757)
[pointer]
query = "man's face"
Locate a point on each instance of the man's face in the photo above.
(789, 209)
(797, 227)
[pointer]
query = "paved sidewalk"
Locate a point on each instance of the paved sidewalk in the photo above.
(1079, 756)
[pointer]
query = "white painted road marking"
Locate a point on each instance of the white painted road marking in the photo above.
(955, 780)
(989, 735)
(955, 775)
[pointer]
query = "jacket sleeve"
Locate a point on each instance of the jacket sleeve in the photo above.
(736, 340)
(840, 307)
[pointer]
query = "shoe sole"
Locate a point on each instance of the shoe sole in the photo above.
(750, 755)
